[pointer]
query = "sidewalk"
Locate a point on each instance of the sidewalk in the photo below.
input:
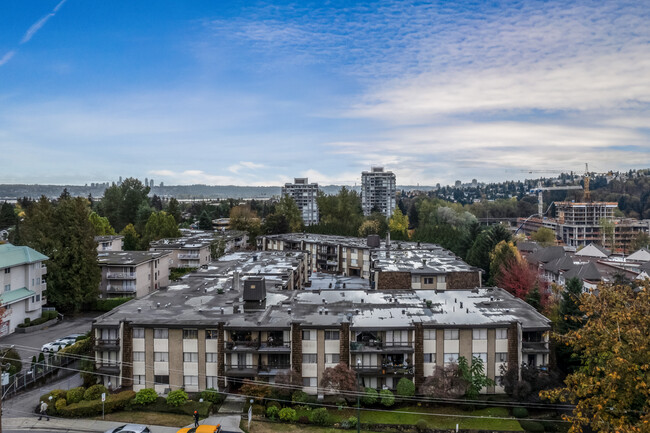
(71, 425)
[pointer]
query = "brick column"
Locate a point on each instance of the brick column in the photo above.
(221, 359)
(127, 355)
(344, 341)
(419, 355)
(513, 348)
(296, 348)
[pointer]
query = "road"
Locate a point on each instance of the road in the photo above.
(29, 345)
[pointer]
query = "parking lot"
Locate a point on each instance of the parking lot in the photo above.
(29, 344)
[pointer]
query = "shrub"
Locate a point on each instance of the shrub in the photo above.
(320, 416)
(288, 415)
(405, 387)
(299, 397)
(421, 425)
(532, 426)
(352, 422)
(272, 412)
(146, 396)
(109, 304)
(520, 412)
(88, 408)
(303, 419)
(27, 320)
(75, 395)
(12, 357)
(56, 394)
(94, 392)
(370, 397)
(211, 395)
(59, 405)
(341, 402)
(176, 398)
(259, 392)
(274, 403)
(387, 397)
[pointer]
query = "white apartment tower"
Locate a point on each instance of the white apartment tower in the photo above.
(304, 194)
(378, 191)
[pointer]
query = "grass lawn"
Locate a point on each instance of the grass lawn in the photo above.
(411, 415)
(149, 418)
(268, 427)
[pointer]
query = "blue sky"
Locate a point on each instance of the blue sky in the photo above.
(256, 93)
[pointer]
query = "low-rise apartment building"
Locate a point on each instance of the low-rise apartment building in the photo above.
(132, 273)
(109, 243)
(22, 281)
(209, 332)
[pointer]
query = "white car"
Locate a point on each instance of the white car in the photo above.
(130, 428)
(70, 339)
(55, 346)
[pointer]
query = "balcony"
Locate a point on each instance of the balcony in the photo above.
(239, 370)
(189, 256)
(108, 367)
(120, 289)
(120, 275)
(275, 346)
(534, 346)
(397, 369)
(379, 346)
(242, 345)
(368, 369)
(273, 369)
(107, 344)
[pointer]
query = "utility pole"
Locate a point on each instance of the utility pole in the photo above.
(7, 365)
(358, 403)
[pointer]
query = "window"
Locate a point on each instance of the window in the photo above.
(310, 381)
(190, 380)
(33, 282)
(451, 334)
(309, 358)
(331, 335)
(332, 358)
(211, 357)
(501, 356)
(190, 334)
(479, 334)
(429, 280)
(7, 270)
(498, 380)
(481, 355)
(139, 379)
(161, 356)
(38, 281)
(7, 287)
(398, 338)
(190, 357)
(38, 298)
(502, 333)
(211, 334)
(161, 379)
(138, 356)
(451, 358)
(429, 334)
(211, 382)
(308, 335)
(138, 332)
(160, 333)
(429, 358)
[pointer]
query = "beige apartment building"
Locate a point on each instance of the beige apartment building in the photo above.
(109, 243)
(132, 273)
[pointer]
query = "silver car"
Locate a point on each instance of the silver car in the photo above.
(130, 428)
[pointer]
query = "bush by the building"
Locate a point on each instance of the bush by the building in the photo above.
(145, 396)
(370, 397)
(176, 398)
(74, 395)
(288, 415)
(320, 416)
(387, 397)
(405, 388)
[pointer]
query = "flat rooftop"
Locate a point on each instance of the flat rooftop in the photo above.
(419, 261)
(348, 241)
(128, 257)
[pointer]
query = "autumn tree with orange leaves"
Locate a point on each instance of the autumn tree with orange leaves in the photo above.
(611, 387)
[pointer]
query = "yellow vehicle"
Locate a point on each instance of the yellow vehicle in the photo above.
(205, 428)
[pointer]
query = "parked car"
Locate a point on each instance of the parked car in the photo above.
(205, 428)
(130, 428)
(55, 346)
(72, 338)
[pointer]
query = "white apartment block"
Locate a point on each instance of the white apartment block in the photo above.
(304, 194)
(378, 189)
(22, 281)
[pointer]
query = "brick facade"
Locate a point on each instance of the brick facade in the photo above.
(513, 346)
(344, 336)
(419, 355)
(394, 281)
(463, 280)
(221, 344)
(296, 348)
(127, 355)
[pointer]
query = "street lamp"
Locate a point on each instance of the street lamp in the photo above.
(358, 393)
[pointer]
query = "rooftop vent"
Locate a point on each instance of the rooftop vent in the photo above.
(326, 311)
(139, 310)
(157, 304)
(491, 298)
(461, 305)
(221, 310)
(324, 301)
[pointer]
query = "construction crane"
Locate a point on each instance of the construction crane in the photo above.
(540, 190)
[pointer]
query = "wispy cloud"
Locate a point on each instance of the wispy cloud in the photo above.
(236, 168)
(4, 59)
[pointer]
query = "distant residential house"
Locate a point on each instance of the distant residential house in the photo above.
(22, 281)
(133, 273)
(109, 243)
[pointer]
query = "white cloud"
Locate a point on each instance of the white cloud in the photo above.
(236, 168)
(4, 59)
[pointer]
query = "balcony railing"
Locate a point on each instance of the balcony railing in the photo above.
(110, 367)
(236, 345)
(275, 345)
(121, 289)
(188, 256)
(120, 275)
(376, 345)
(273, 369)
(534, 346)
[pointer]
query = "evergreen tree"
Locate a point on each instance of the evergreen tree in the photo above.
(101, 225)
(570, 318)
(160, 225)
(174, 209)
(7, 216)
(205, 222)
(479, 253)
(131, 238)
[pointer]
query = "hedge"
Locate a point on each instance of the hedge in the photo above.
(211, 395)
(94, 392)
(56, 394)
(519, 412)
(74, 395)
(109, 304)
(146, 396)
(160, 405)
(86, 408)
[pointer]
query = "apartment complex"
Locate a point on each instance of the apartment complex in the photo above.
(132, 273)
(378, 189)
(213, 333)
(387, 265)
(22, 280)
(304, 194)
